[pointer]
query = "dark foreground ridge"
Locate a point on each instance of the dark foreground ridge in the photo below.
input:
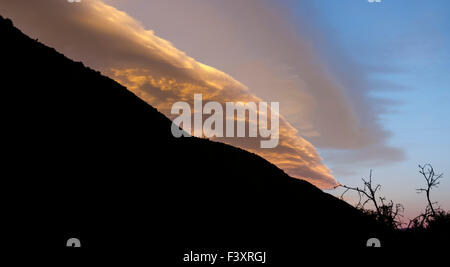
(84, 157)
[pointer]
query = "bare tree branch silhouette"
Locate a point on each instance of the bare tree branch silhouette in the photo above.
(386, 212)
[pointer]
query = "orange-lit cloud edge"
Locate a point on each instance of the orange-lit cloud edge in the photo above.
(160, 74)
(294, 154)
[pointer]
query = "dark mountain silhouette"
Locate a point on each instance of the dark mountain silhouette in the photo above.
(84, 157)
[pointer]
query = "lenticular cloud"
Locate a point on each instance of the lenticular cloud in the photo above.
(110, 40)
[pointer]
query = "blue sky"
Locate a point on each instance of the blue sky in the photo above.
(406, 44)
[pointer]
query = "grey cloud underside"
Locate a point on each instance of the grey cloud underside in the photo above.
(281, 58)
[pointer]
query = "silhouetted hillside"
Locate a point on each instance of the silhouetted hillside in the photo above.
(84, 157)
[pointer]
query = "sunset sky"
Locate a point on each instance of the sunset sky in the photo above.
(361, 85)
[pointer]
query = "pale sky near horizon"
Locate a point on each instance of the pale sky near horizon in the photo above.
(411, 40)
